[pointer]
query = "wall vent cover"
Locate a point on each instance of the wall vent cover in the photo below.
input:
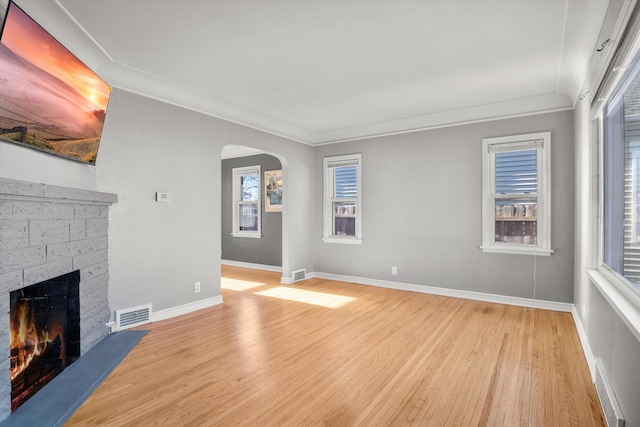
(299, 275)
(610, 407)
(132, 317)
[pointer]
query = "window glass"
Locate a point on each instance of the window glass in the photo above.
(342, 204)
(516, 194)
(344, 219)
(516, 175)
(250, 187)
(246, 202)
(622, 180)
(248, 217)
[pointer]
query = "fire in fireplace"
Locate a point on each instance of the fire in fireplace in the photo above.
(45, 333)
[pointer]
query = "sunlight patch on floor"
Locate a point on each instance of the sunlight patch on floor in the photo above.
(307, 297)
(239, 285)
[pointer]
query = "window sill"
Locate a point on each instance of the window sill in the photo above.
(621, 299)
(517, 250)
(247, 235)
(342, 240)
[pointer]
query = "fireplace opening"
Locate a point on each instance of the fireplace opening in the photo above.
(45, 333)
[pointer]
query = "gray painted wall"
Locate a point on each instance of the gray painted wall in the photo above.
(25, 164)
(158, 250)
(268, 249)
(619, 350)
(422, 212)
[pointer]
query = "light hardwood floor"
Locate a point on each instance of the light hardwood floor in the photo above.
(364, 356)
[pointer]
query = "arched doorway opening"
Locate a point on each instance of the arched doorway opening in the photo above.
(244, 242)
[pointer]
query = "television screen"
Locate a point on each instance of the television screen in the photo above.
(49, 100)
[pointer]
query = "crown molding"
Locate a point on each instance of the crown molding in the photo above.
(55, 19)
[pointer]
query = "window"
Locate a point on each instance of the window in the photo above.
(516, 194)
(621, 167)
(342, 199)
(613, 197)
(246, 202)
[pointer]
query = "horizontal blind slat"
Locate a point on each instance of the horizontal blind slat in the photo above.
(346, 184)
(516, 172)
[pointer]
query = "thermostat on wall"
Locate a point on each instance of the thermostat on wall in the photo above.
(163, 197)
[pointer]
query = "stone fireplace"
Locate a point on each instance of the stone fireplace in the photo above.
(46, 232)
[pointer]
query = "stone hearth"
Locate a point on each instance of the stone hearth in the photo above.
(47, 231)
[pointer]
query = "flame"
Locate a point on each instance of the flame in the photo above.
(26, 342)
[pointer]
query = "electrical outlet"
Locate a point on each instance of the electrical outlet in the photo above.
(394, 270)
(197, 287)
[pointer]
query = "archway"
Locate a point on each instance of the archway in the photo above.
(236, 247)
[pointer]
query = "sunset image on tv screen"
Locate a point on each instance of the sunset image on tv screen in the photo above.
(49, 100)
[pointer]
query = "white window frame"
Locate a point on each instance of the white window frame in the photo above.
(541, 141)
(624, 295)
(635, 204)
(237, 174)
(617, 290)
(328, 235)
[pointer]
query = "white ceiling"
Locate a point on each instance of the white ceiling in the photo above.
(328, 71)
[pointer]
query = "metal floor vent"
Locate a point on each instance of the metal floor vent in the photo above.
(299, 275)
(131, 317)
(610, 407)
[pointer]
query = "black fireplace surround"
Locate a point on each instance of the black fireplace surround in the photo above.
(45, 333)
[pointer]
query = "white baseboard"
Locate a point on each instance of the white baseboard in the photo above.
(286, 280)
(478, 296)
(179, 310)
(586, 348)
(251, 265)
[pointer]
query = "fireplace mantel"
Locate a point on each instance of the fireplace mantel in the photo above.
(47, 231)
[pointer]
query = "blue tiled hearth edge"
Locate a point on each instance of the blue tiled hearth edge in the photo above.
(56, 402)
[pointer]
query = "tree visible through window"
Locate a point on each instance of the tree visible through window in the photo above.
(246, 202)
(249, 199)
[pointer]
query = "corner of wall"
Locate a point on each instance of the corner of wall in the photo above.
(584, 341)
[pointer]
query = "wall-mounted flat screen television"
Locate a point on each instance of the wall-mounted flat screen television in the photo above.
(49, 100)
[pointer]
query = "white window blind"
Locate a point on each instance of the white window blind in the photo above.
(516, 172)
(346, 181)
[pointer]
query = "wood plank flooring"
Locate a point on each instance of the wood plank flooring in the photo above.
(331, 353)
